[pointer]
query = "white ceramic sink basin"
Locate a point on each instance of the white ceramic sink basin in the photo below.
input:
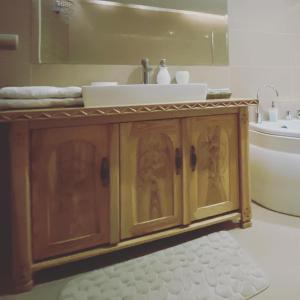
(140, 94)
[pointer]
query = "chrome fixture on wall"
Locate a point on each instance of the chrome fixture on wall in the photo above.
(9, 41)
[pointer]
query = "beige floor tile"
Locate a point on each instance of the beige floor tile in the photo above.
(273, 241)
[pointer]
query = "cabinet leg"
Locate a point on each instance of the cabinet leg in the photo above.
(22, 285)
(245, 224)
(245, 221)
(21, 264)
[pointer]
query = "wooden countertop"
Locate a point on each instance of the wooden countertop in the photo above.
(83, 112)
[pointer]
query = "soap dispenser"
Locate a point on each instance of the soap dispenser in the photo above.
(163, 75)
(273, 113)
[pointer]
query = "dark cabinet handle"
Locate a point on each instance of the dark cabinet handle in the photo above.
(193, 158)
(178, 160)
(104, 172)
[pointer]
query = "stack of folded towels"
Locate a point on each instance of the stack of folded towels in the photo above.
(218, 94)
(29, 97)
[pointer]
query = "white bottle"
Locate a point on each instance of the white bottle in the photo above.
(163, 75)
(273, 113)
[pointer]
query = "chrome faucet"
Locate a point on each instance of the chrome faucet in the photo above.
(146, 70)
(259, 117)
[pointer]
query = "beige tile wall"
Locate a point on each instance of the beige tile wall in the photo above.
(264, 48)
(15, 17)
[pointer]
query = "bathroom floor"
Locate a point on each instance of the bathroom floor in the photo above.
(273, 240)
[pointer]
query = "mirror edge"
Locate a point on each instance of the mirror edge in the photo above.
(36, 32)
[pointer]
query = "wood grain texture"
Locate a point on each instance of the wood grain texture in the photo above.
(244, 177)
(150, 187)
(70, 202)
(235, 216)
(20, 207)
(212, 188)
(114, 206)
(76, 215)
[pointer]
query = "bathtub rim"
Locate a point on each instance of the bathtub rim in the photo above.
(274, 210)
(275, 142)
(282, 132)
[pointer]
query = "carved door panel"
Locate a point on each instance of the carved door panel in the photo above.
(211, 165)
(70, 186)
(150, 177)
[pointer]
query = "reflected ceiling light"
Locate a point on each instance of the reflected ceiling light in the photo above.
(106, 3)
(161, 9)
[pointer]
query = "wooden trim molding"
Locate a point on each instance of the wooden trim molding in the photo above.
(244, 168)
(71, 113)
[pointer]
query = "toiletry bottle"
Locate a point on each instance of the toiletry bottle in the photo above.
(273, 113)
(163, 75)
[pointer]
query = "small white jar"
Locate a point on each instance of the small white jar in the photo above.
(182, 77)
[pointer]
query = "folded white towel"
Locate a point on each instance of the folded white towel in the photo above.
(218, 91)
(8, 104)
(40, 92)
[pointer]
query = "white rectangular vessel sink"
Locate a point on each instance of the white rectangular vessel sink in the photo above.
(142, 94)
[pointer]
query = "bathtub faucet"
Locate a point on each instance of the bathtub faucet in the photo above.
(259, 117)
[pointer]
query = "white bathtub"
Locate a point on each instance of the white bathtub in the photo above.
(275, 165)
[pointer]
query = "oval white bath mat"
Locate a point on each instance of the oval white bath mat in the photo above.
(213, 267)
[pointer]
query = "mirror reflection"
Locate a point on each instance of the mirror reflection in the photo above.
(189, 32)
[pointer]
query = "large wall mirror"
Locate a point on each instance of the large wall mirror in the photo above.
(185, 32)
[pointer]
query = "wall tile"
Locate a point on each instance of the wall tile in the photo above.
(256, 15)
(260, 49)
(245, 82)
(265, 48)
(293, 7)
(296, 83)
(14, 72)
(15, 18)
(295, 49)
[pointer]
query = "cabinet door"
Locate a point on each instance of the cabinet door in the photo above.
(71, 188)
(150, 177)
(211, 165)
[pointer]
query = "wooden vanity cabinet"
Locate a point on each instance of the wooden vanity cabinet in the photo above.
(71, 188)
(85, 182)
(211, 167)
(151, 176)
